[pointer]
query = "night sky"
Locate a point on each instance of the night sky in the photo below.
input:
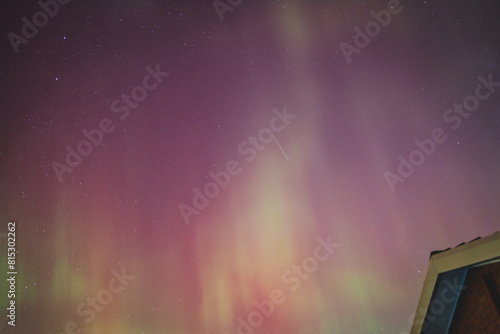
(172, 166)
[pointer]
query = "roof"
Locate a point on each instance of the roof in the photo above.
(451, 265)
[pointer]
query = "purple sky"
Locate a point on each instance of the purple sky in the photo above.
(219, 151)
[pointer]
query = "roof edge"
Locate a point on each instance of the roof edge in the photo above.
(474, 252)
